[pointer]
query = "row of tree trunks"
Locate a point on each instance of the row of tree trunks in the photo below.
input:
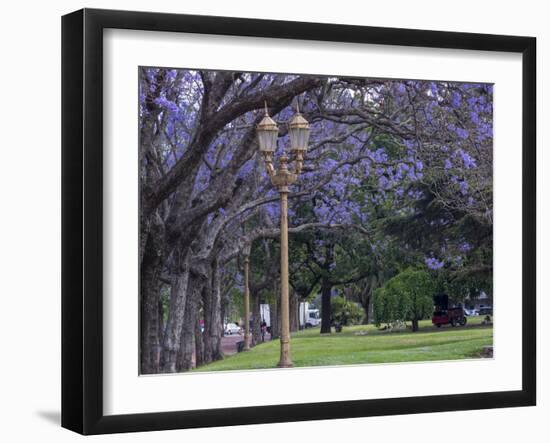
(170, 220)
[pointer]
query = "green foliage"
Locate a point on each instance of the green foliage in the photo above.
(407, 296)
(235, 309)
(345, 312)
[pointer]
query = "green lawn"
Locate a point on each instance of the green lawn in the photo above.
(353, 346)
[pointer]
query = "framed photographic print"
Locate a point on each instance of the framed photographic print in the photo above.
(269, 221)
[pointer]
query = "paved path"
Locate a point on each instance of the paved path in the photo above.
(229, 343)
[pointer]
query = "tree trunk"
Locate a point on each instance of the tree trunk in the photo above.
(294, 304)
(151, 266)
(212, 316)
(274, 317)
(366, 308)
(162, 326)
(199, 345)
(414, 324)
(326, 313)
(174, 324)
(186, 354)
(223, 314)
(256, 320)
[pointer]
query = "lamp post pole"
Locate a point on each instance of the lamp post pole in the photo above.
(246, 306)
(281, 179)
(285, 360)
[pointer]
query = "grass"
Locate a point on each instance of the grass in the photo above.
(366, 344)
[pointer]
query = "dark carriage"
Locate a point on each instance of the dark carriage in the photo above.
(445, 314)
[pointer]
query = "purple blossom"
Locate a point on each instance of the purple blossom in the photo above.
(456, 99)
(462, 133)
(380, 155)
(163, 102)
(433, 263)
(467, 159)
(322, 212)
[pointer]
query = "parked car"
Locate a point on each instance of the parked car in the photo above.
(486, 310)
(470, 312)
(232, 328)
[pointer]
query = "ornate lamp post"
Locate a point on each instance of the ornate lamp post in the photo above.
(281, 179)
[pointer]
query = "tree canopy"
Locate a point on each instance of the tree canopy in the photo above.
(398, 174)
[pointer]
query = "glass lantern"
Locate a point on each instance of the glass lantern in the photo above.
(268, 132)
(299, 133)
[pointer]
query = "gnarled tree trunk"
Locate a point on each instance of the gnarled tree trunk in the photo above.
(151, 267)
(186, 354)
(174, 323)
(212, 316)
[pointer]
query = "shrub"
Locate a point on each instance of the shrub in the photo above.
(345, 312)
(407, 296)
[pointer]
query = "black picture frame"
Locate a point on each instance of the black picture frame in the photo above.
(82, 215)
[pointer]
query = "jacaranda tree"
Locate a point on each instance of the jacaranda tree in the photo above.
(384, 155)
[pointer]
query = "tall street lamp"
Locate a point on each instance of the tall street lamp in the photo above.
(281, 179)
